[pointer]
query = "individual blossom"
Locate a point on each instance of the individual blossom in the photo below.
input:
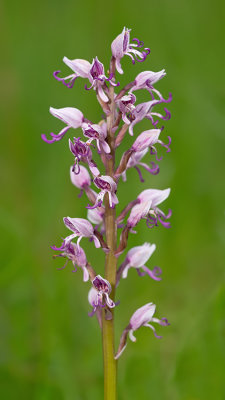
(139, 113)
(148, 139)
(136, 258)
(147, 208)
(72, 117)
(76, 254)
(141, 317)
(132, 158)
(104, 289)
(135, 162)
(81, 228)
(79, 67)
(98, 133)
(155, 214)
(107, 185)
(146, 79)
(97, 78)
(126, 106)
(121, 46)
(82, 153)
(144, 110)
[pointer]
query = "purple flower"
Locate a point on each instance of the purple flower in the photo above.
(103, 288)
(79, 67)
(155, 215)
(82, 152)
(121, 46)
(72, 117)
(148, 139)
(137, 257)
(82, 179)
(135, 160)
(126, 106)
(144, 110)
(107, 185)
(146, 208)
(147, 79)
(141, 317)
(140, 112)
(76, 254)
(98, 133)
(97, 78)
(81, 228)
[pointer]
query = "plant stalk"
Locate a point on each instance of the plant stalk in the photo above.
(110, 364)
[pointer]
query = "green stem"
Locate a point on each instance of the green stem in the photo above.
(110, 364)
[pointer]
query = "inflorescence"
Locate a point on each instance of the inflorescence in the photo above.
(95, 137)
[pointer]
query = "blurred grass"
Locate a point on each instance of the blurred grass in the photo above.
(49, 348)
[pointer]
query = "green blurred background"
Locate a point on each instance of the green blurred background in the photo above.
(49, 348)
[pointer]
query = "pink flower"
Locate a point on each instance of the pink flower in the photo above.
(80, 68)
(137, 257)
(126, 106)
(97, 78)
(146, 139)
(147, 208)
(135, 161)
(107, 185)
(141, 317)
(121, 46)
(96, 132)
(147, 79)
(82, 179)
(82, 152)
(81, 228)
(72, 117)
(103, 288)
(76, 254)
(140, 112)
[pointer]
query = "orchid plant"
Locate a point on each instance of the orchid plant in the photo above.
(121, 114)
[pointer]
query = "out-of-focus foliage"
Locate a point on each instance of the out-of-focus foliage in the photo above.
(49, 348)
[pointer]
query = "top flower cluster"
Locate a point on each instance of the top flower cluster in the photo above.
(127, 114)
